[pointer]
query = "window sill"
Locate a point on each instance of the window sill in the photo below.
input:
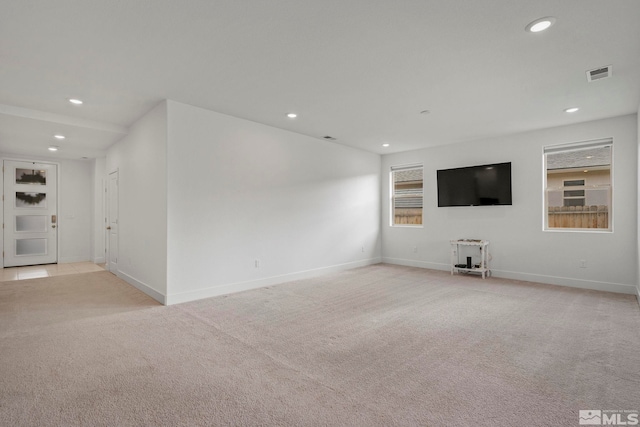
(579, 230)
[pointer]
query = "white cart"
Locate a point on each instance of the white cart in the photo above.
(456, 264)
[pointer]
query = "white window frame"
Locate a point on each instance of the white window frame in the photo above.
(399, 168)
(576, 146)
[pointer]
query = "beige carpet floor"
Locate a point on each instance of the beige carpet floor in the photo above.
(375, 346)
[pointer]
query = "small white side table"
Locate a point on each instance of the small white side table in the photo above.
(482, 268)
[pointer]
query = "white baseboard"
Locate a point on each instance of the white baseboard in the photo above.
(143, 287)
(638, 294)
(99, 260)
(260, 283)
(416, 263)
(529, 277)
(619, 288)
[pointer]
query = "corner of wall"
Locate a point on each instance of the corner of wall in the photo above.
(230, 288)
(242, 174)
(140, 160)
(143, 287)
(638, 207)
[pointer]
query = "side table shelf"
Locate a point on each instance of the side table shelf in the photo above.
(457, 266)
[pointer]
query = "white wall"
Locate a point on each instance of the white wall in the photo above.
(638, 207)
(141, 161)
(240, 191)
(519, 247)
(75, 210)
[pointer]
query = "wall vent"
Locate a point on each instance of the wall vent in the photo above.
(329, 138)
(599, 73)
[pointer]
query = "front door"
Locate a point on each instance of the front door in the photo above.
(30, 213)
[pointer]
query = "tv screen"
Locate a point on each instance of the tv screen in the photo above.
(475, 186)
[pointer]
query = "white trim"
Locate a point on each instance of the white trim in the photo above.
(406, 167)
(99, 260)
(417, 263)
(619, 288)
(143, 287)
(578, 230)
(61, 119)
(577, 146)
(260, 283)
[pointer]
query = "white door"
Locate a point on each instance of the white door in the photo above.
(112, 222)
(30, 213)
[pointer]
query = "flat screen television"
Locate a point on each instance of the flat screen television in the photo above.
(482, 185)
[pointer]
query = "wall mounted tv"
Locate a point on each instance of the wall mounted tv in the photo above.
(482, 185)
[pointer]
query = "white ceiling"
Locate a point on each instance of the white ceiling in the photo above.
(358, 70)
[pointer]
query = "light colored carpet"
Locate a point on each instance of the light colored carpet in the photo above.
(381, 345)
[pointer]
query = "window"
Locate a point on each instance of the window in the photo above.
(573, 197)
(578, 186)
(406, 195)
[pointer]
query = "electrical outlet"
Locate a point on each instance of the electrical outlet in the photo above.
(415, 249)
(583, 263)
(363, 249)
(257, 263)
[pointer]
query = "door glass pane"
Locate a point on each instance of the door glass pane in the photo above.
(31, 223)
(31, 246)
(31, 176)
(31, 200)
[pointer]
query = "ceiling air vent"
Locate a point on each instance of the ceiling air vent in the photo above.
(329, 138)
(599, 73)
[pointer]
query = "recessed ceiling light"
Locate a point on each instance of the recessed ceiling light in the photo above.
(59, 136)
(292, 115)
(540, 24)
(571, 110)
(385, 145)
(53, 148)
(589, 157)
(75, 101)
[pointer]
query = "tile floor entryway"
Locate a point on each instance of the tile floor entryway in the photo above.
(48, 270)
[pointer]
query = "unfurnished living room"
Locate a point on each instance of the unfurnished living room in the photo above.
(331, 213)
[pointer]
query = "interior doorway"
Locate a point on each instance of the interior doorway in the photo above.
(112, 223)
(30, 213)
